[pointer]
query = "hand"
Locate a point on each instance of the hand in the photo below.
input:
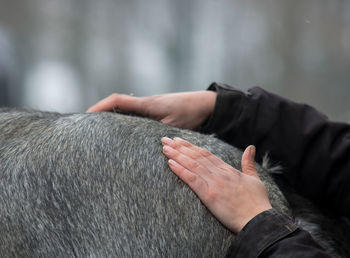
(185, 110)
(233, 197)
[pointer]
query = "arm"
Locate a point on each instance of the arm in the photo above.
(184, 109)
(240, 202)
(314, 152)
(228, 210)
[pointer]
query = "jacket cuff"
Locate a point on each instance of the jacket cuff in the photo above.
(235, 105)
(261, 232)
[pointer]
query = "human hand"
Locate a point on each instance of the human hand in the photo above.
(233, 197)
(185, 109)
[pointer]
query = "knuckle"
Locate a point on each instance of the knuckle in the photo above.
(195, 155)
(251, 166)
(114, 96)
(186, 143)
(245, 162)
(228, 168)
(211, 196)
(191, 178)
(182, 142)
(193, 165)
(204, 153)
(175, 146)
(248, 165)
(181, 169)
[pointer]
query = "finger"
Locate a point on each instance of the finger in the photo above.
(248, 164)
(216, 161)
(194, 181)
(169, 142)
(169, 121)
(195, 155)
(117, 101)
(185, 161)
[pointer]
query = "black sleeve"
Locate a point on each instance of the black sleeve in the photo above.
(313, 151)
(272, 234)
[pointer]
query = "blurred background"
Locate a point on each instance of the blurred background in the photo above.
(65, 55)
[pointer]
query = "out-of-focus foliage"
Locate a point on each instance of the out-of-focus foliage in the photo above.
(67, 54)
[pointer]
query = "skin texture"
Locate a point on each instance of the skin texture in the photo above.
(233, 197)
(186, 110)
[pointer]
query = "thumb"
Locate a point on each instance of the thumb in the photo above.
(248, 164)
(117, 101)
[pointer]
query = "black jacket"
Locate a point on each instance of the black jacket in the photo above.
(313, 151)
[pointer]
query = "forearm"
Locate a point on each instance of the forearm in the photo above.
(312, 150)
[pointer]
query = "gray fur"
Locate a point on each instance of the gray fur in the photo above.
(98, 185)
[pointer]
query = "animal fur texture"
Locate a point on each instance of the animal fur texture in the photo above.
(98, 185)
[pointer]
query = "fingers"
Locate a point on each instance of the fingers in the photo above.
(197, 152)
(182, 147)
(234, 198)
(194, 181)
(248, 164)
(118, 101)
(196, 159)
(187, 169)
(187, 162)
(192, 157)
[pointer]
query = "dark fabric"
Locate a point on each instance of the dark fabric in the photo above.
(272, 234)
(314, 153)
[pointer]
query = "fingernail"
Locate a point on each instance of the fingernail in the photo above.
(171, 162)
(166, 149)
(166, 140)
